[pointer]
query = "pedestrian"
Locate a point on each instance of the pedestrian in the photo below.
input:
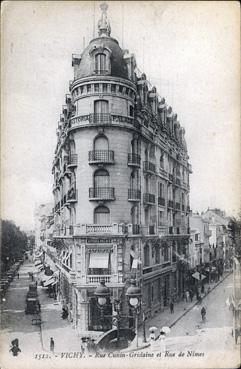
(162, 342)
(18, 275)
(171, 307)
(202, 289)
(203, 313)
(15, 347)
(51, 344)
(187, 296)
(191, 295)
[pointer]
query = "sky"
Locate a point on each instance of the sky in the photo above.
(188, 50)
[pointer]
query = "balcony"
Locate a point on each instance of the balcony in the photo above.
(134, 160)
(133, 229)
(102, 193)
(149, 167)
(170, 204)
(100, 118)
(149, 230)
(97, 229)
(72, 196)
(163, 173)
(72, 160)
(101, 157)
(148, 199)
(134, 195)
(161, 201)
(177, 206)
(103, 72)
(95, 279)
(178, 181)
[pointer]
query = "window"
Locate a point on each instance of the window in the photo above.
(101, 178)
(101, 143)
(131, 112)
(101, 107)
(113, 88)
(120, 89)
(157, 254)
(104, 87)
(97, 87)
(162, 160)
(100, 64)
(146, 255)
(88, 88)
(196, 237)
(81, 89)
(161, 218)
(152, 151)
(101, 215)
(160, 189)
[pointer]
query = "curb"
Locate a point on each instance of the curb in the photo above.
(197, 302)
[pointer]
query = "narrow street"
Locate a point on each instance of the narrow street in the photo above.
(33, 339)
(207, 342)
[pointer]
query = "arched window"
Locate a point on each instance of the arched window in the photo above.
(101, 178)
(146, 255)
(100, 63)
(102, 215)
(100, 143)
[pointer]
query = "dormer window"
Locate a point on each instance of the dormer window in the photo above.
(100, 64)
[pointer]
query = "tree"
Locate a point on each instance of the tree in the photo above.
(14, 243)
(234, 230)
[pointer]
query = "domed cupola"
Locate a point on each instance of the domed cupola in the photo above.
(103, 56)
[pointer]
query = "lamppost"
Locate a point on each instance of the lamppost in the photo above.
(102, 293)
(133, 293)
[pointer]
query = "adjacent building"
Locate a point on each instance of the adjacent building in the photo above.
(121, 187)
(200, 250)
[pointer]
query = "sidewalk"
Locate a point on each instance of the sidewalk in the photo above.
(181, 308)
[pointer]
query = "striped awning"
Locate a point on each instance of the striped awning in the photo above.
(99, 260)
(49, 282)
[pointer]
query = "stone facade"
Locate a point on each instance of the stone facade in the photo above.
(121, 187)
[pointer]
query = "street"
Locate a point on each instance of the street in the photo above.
(200, 342)
(204, 342)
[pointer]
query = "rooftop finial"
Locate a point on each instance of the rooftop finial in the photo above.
(104, 24)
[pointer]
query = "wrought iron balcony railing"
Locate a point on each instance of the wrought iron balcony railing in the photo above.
(101, 156)
(134, 160)
(72, 195)
(177, 206)
(101, 193)
(149, 198)
(149, 167)
(161, 201)
(72, 160)
(134, 195)
(100, 118)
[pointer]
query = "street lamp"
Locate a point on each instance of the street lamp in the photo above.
(102, 293)
(133, 293)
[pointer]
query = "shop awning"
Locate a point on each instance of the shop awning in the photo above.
(37, 262)
(99, 260)
(45, 278)
(49, 282)
(198, 276)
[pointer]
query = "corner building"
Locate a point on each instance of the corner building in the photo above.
(121, 187)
